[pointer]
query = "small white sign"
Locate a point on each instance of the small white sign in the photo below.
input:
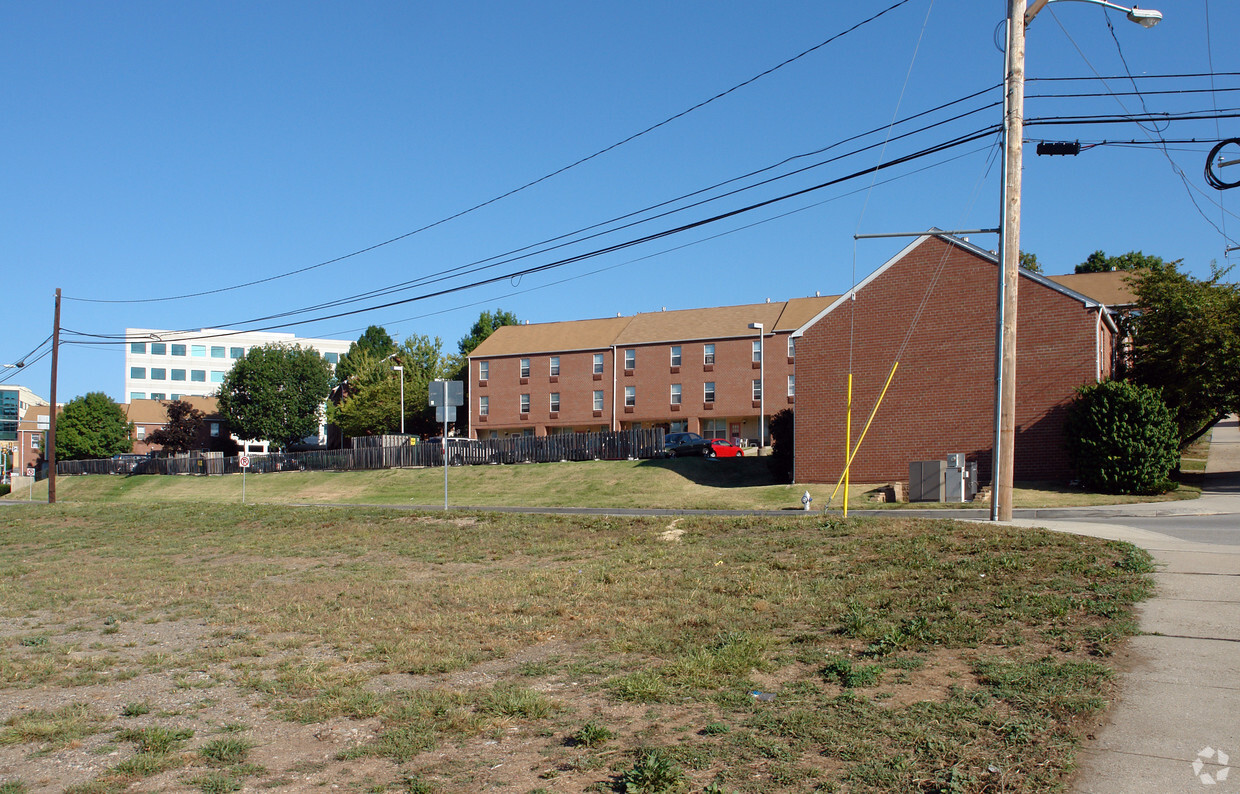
(245, 461)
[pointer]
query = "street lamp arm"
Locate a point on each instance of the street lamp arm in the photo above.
(1147, 18)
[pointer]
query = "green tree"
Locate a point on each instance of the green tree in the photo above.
(375, 342)
(274, 392)
(1122, 438)
(92, 426)
(484, 327)
(373, 404)
(182, 431)
(1030, 262)
(1099, 262)
(1186, 343)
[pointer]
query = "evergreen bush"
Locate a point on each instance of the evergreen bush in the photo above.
(1122, 438)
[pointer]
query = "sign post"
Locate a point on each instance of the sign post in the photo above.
(444, 397)
(245, 464)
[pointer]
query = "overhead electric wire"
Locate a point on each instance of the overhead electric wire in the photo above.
(525, 186)
(959, 141)
(1175, 168)
(526, 252)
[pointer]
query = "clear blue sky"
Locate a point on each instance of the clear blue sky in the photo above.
(159, 149)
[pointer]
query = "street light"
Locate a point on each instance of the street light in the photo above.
(1005, 327)
(761, 386)
(401, 370)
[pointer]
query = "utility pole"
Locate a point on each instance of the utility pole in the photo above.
(51, 425)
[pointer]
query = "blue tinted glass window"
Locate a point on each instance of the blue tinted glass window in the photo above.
(137, 347)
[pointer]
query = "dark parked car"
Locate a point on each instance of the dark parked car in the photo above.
(676, 445)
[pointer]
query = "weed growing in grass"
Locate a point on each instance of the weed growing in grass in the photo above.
(842, 671)
(654, 772)
(53, 729)
(155, 738)
(224, 751)
(416, 785)
(591, 734)
(12, 787)
(145, 763)
(136, 709)
(215, 783)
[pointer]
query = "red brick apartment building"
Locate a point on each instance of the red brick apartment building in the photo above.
(698, 370)
(932, 309)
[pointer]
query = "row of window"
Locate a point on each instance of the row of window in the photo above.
(630, 396)
(200, 351)
(155, 395)
(159, 373)
(630, 359)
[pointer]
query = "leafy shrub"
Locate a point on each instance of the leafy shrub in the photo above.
(1122, 438)
(654, 773)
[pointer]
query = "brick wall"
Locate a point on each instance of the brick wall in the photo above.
(652, 376)
(942, 397)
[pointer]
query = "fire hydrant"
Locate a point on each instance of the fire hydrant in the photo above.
(806, 499)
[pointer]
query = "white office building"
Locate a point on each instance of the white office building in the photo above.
(169, 365)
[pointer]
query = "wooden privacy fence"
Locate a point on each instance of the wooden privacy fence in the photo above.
(391, 452)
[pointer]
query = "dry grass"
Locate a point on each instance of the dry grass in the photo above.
(475, 651)
(682, 483)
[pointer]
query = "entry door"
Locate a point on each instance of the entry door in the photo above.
(734, 430)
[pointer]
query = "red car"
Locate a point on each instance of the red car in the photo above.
(725, 449)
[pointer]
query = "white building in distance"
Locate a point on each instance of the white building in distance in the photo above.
(169, 365)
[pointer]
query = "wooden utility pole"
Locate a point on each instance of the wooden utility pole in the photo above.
(51, 425)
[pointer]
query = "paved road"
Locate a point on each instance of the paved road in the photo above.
(1223, 529)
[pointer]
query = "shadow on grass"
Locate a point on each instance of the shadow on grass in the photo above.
(741, 472)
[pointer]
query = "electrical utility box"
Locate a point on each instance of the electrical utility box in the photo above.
(926, 480)
(960, 479)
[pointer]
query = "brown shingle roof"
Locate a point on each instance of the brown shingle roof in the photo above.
(511, 340)
(718, 322)
(1110, 288)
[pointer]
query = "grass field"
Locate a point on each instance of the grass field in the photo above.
(692, 483)
(194, 647)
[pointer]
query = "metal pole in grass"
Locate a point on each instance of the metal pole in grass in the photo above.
(245, 464)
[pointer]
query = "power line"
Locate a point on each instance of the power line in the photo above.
(968, 138)
(580, 236)
(525, 186)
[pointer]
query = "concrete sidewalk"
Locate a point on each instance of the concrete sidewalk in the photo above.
(1176, 724)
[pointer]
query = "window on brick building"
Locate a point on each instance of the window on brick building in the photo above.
(484, 405)
(675, 355)
(630, 359)
(708, 391)
(555, 365)
(525, 403)
(757, 389)
(598, 400)
(598, 364)
(484, 370)
(525, 367)
(757, 350)
(630, 396)
(555, 402)
(708, 354)
(714, 428)
(140, 430)
(679, 426)
(215, 430)
(792, 385)
(792, 347)
(675, 394)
